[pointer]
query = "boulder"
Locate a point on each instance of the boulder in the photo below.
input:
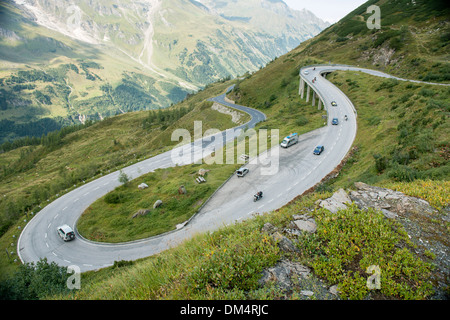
(140, 213)
(142, 186)
(305, 225)
(336, 202)
(268, 228)
(284, 243)
(307, 293)
(334, 290)
(157, 204)
(283, 273)
(383, 199)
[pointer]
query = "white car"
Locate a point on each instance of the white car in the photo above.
(66, 233)
(306, 72)
(242, 172)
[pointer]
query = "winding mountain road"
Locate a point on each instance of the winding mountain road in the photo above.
(298, 170)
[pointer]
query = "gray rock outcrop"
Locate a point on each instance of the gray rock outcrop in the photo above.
(283, 274)
(141, 213)
(336, 202)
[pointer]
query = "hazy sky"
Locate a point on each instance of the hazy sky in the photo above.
(328, 10)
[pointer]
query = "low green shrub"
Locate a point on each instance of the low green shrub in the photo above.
(351, 240)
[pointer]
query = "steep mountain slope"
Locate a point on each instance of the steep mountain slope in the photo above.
(101, 58)
(413, 41)
(403, 131)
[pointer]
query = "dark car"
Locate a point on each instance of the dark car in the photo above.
(335, 121)
(318, 150)
(333, 103)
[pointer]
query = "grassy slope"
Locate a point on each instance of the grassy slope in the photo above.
(412, 42)
(402, 134)
(110, 220)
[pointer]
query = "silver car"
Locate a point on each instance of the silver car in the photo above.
(242, 172)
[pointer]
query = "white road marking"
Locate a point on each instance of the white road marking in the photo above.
(45, 236)
(67, 261)
(47, 245)
(64, 208)
(106, 183)
(260, 206)
(54, 254)
(97, 188)
(76, 199)
(270, 201)
(48, 227)
(56, 216)
(85, 194)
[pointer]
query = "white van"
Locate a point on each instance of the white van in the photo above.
(289, 140)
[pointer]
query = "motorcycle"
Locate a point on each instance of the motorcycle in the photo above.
(257, 196)
(346, 118)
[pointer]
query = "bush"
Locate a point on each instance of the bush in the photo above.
(387, 84)
(348, 242)
(35, 281)
(115, 197)
(301, 121)
(402, 173)
(232, 265)
(380, 162)
(123, 178)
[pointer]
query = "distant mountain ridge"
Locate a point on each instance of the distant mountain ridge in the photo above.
(102, 53)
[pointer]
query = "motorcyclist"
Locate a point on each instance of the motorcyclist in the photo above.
(345, 117)
(258, 195)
